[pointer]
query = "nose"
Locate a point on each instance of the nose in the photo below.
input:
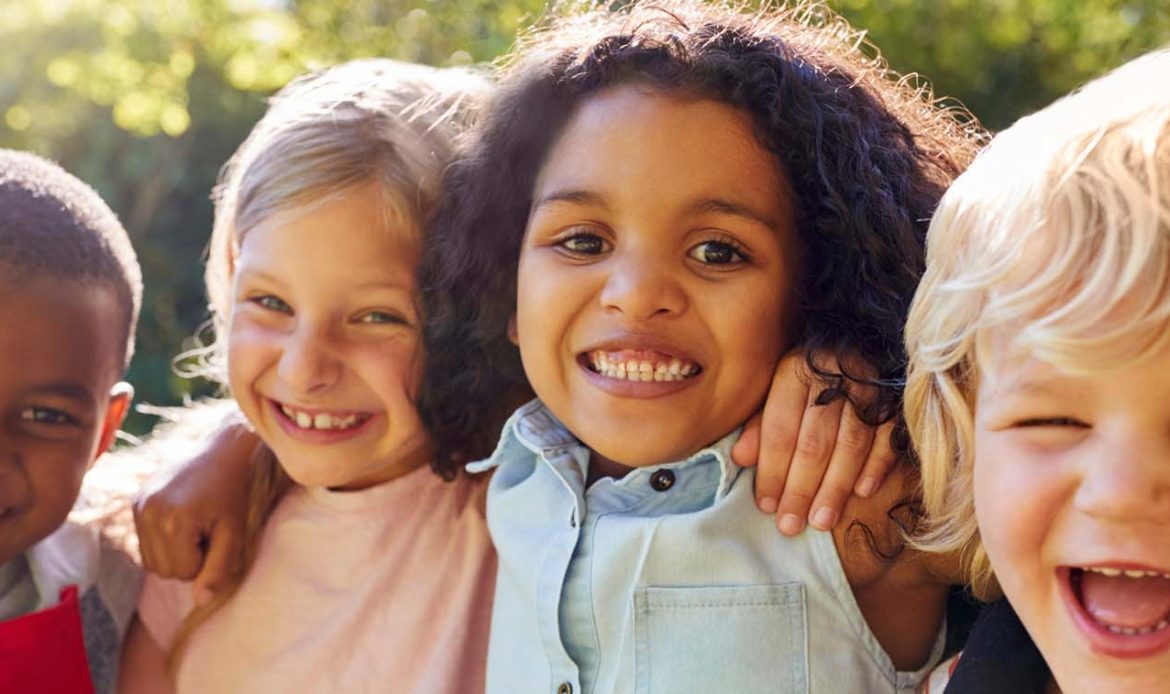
(309, 361)
(641, 286)
(1129, 482)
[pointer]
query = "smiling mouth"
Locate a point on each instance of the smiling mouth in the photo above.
(1126, 602)
(640, 365)
(321, 420)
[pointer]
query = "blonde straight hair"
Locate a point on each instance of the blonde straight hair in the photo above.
(1056, 241)
(323, 135)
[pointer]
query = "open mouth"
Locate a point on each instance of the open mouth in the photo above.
(640, 365)
(322, 421)
(1125, 602)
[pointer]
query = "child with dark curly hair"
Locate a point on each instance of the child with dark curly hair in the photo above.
(658, 203)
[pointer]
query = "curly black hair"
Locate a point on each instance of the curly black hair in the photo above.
(868, 156)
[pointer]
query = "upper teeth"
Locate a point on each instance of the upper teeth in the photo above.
(641, 369)
(321, 420)
(1128, 573)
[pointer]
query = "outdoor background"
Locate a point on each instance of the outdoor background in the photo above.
(145, 99)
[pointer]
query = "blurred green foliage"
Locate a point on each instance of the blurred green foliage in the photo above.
(146, 99)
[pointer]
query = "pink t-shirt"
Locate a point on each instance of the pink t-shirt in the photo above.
(385, 589)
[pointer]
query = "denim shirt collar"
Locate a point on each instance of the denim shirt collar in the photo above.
(537, 429)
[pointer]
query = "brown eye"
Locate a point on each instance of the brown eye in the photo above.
(47, 415)
(584, 244)
(717, 253)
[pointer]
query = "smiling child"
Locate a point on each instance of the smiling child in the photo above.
(1039, 391)
(70, 290)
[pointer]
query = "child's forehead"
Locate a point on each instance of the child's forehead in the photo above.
(61, 330)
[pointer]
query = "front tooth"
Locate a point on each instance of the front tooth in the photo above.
(1107, 571)
(1134, 573)
(646, 367)
(304, 421)
(647, 375)
(675, 366)
(633, 375)
(321, 421)
(620, 371)
(659, 376)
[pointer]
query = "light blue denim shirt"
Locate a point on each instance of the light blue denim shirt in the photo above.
(667, 580)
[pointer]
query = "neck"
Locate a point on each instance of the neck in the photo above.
(600, 466)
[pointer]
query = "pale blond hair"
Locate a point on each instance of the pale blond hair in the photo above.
(325, 134)
(1058, 239)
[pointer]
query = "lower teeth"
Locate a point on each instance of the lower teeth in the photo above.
(1129, 631)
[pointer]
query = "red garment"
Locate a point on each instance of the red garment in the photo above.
(45, 651)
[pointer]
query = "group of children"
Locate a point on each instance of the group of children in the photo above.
(585, 277)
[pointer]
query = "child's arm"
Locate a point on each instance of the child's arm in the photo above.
(811, 457)
(190, 521)
(144, 664)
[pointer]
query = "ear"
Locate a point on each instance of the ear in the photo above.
(513, 334)
(120, 396)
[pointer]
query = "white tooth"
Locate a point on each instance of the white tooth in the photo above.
(646, 367)
(659, 376)
(321, 421)
(675, 366)
(633, 375)
(1128, 631)
(350, 420)
(662, 369)
(686, 370)
(602, 361)
(1134, 573)
(1108, 571)
(304, 421)
(336, 423)
(647, 375)
(288, 412)
(620, 371)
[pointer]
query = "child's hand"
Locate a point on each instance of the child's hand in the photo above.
(190, 520)
(811, 458)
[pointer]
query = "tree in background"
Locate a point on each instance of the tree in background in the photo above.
(146, 99)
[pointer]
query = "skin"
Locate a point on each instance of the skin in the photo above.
(1074, 471)
(324, 322)
(60, 399)
(658, 223)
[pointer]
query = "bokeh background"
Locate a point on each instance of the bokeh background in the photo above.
(145, 99)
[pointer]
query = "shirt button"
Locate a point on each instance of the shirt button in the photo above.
(662, 480)
(565, 688)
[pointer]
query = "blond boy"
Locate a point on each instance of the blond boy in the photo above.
(1038, 392)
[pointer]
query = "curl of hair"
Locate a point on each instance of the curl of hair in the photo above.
(867, 155)
(1057, 239)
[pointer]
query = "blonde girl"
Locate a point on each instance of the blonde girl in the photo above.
(363, 570)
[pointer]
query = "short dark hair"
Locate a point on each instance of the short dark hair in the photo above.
(53, 224)
(867, 154)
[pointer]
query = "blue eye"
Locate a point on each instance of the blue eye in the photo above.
(584, 244)
(717, 253)
(382, 318)
(271, 303)
(47, 415)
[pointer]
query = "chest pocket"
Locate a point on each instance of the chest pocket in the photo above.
(720, 639)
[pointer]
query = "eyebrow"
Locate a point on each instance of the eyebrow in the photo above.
(70, 391)
(700, 206)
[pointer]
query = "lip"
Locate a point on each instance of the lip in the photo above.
(1100, 639)
(319, 436)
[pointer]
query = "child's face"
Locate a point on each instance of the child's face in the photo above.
(655, 274)
(60, 401)
(1072, 494)
(323, 346)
